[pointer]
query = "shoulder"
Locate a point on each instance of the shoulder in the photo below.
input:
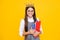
(22, 21)
(38, 19)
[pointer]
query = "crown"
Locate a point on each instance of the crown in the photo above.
(30, 5)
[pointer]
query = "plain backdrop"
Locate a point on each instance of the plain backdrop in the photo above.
(12, 11)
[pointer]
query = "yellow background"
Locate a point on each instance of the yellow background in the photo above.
(12, 11)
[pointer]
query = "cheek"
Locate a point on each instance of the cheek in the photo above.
(32, 13)
(28, 13)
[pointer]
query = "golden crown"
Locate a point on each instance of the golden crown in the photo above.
(30, 5)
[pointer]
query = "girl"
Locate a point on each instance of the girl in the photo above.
(25, 24)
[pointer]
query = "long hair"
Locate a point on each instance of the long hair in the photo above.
(26, 20)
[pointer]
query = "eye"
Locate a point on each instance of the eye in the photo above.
(32, 10)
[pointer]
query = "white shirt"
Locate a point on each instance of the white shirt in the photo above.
(22, 22)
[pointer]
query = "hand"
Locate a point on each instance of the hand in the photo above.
(36, 33)
(31, 31)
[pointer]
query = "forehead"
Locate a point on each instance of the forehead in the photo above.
(30, 8)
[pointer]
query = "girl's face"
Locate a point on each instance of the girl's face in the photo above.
(30, 12)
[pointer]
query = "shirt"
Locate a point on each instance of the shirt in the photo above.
(22, 22)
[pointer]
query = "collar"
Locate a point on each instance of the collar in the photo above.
(30, 19)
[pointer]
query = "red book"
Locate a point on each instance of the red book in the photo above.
(38, 26)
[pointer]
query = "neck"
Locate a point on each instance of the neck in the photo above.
(30, 17)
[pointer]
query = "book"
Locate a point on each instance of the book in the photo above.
(36, 26)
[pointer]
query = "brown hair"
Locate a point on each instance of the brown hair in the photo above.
(26, 20)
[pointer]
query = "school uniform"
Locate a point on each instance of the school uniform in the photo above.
(30, 22)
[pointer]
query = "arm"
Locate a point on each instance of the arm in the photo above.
(41, 31)
(26, 33)
(31, 31)
(21, 29)
(36, 34)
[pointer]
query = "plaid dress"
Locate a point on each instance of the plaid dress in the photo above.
(30, 36)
